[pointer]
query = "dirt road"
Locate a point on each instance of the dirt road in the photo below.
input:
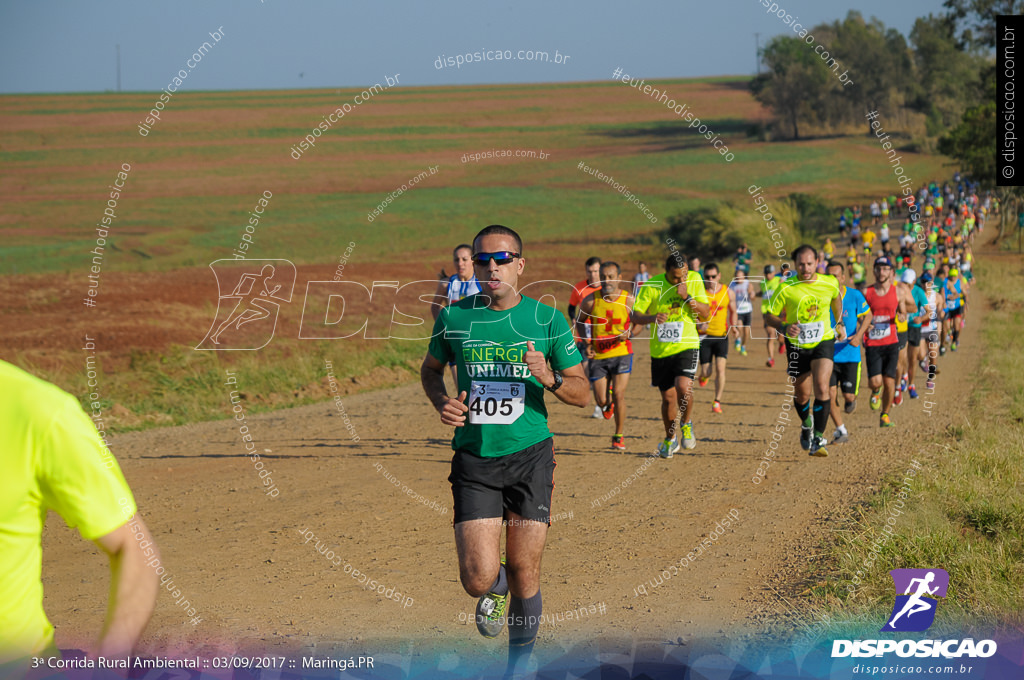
(240, 556)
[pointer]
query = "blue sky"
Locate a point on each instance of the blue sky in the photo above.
(63, 46)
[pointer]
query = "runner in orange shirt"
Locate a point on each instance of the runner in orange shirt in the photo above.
(608, 349)
(715, 343)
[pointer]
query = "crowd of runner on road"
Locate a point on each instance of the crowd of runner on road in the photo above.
(829, 323)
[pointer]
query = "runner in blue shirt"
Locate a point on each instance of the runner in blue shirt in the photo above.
(846, 359)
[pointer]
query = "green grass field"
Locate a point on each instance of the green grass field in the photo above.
(203, 166)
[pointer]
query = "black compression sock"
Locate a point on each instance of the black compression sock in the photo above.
(802, 410)
(821, 412)
(524, 619)
(523, 623)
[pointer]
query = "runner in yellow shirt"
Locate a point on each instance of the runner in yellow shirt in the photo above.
(52, 458)
(673, 301)
(810, 341)
(869, 240)
(769, 286)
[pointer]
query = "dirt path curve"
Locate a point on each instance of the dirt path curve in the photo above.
(239, 557)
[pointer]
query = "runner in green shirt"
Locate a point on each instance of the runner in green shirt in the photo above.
(769, 287)
(805, 300)
(501, 473)
(673, 301)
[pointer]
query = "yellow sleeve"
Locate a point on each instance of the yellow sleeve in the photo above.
(79, 477)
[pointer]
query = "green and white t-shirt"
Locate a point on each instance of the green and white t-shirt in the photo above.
(506, 403)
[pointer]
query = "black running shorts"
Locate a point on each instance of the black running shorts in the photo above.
(798, 360)
(665, 370)
(521, 482)
(883, 360)
(901, 336)
(914, 335)
(711, 346)
(847, 376)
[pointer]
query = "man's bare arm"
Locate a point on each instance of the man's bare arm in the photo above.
(575, 389)
(133, 588)
(452, 411)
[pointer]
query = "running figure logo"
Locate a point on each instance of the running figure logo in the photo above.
(254, 303)
(914, 610)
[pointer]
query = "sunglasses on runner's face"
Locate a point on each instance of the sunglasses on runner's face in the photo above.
(500, 257)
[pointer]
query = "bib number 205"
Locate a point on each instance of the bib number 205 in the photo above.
(496, 403)
(670, 331)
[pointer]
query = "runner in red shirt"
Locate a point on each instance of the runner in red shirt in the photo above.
(588, 286)
(881, 344)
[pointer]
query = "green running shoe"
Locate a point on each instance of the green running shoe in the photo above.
(490, 613)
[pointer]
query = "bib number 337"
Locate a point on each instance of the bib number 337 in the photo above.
(496, 403)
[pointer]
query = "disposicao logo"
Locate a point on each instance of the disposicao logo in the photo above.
(914, 610)
(917, 591)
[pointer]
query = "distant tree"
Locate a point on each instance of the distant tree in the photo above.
(976, 19)
(973, 141)
(879, 61)
(950, 78)
(795, 83)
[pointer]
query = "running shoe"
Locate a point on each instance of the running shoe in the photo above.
(805, 438)
(897, 398)
(850, 406)
(668, 447)
(598, 412)
(490, 613)
(942, 351)
(885, 422)
(840, 437)
(717, 406)
(608, 411)
(737, 345)
(952, 347)
(617, 442)
(876, 401)
(930, 384)
(817, 447)
(924, 365)
(912, 391)
(702, 381)
(903, 383)
(689, 441)
(770, 363)
(743, 351)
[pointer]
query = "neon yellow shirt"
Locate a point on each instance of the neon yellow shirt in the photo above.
(768, 288)
(51, 458)
(679, 333)
(807, 305)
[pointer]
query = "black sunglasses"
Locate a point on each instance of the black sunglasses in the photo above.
(500, 257)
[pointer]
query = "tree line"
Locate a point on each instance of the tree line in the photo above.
(938, 88)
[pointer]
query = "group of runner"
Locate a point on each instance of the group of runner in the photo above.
(506, 349)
